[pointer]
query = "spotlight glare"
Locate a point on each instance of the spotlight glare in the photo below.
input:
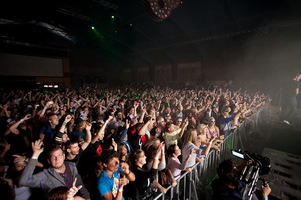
(93, 27)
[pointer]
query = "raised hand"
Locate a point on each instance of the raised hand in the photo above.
(88, 126)
(125, 167)
(37, 148)
(19, 158)
(28, 116)
(67, 118)
(162, 147)
(73, 190)
(114, 144)
(127, 124)
(213, 138)
(110, 118)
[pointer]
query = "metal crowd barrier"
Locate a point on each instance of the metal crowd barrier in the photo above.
(190, 184)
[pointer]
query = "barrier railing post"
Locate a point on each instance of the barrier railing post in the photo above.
(201, 172)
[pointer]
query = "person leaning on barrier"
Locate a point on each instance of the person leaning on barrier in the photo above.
(224, 187)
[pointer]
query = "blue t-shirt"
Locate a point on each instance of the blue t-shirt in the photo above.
(78, 134)
(49, 134)
(106, 184)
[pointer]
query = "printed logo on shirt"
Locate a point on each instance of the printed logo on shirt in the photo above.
(115, 186)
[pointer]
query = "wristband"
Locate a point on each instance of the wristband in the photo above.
(120, 189)
(128, 173)
(156, 158)
(265, 198)
(35, 158)
(22, 120)
(64, 123)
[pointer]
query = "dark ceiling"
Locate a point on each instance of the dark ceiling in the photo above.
(136, 35)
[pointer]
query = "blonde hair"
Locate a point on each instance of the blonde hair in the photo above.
(190, 136)
(211, 118)
(201, 127)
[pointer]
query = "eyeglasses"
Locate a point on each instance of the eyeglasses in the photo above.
(56, 157)
(180, 121)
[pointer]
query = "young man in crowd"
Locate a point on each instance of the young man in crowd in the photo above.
(49, 131)
(60, 173)
(111, 182)
(172, 135)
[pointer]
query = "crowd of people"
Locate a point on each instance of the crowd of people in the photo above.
(112, 143)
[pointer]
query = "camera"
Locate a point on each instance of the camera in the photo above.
(263, 163)
(248, 177)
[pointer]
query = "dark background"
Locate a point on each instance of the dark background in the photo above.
(253, 41)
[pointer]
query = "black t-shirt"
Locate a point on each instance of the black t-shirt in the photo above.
(144, 178)
(221, 191)
(76, 159)
(136, 141)
(17, 141)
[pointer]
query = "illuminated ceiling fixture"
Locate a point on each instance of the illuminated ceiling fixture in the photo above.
(161, 9)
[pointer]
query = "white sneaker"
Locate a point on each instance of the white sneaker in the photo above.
(287, 122)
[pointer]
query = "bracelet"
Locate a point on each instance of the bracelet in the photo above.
(64, 124)
(120, 189)
(128, 173)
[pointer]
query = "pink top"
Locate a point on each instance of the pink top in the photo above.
(176, 166)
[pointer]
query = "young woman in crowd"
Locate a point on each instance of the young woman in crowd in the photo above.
(190, 142)
(144, 182)
(122, 152)
(151, 151)
(174, 163)
(205, 138)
